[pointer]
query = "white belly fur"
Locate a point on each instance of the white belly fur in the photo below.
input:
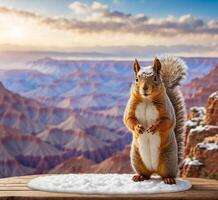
(147, 114)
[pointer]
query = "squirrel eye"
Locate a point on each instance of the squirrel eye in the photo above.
(155, 78)
(137, 79)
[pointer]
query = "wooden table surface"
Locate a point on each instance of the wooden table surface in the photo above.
(16, 188)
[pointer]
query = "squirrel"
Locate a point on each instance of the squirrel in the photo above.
(155, 114)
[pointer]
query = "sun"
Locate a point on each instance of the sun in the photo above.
(17, 32)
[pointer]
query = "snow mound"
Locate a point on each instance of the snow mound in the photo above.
(104, 184)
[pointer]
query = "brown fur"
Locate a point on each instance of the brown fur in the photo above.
(180, 113)
(138, 164)
(173, 71)
(158, 91)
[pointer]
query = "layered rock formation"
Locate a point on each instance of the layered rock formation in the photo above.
(197, 91)
(35, 138)
(212, 109)
(63, 109)
(117, 163)
(27, 115)
(201, 141)
(74, 165)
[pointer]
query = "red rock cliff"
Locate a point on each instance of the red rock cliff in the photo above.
(201, 141)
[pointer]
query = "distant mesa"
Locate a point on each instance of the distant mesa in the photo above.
(197, 91)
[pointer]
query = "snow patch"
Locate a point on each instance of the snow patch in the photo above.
(202, 128)
(193, 161)
(104, 184)
(197, 129)
(191, 123)
(146, 71)
(214, 95)
(199, 111)
(198, 115)
(208, 146)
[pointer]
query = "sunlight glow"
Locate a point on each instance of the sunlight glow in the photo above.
(17, 32)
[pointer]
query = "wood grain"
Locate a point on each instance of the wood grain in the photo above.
(15, 189)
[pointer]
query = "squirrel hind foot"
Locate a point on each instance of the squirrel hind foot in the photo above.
(169, 180)
(138, 178)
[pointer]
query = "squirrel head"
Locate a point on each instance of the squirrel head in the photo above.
(148, 81)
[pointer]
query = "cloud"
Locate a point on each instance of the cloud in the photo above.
(96, 24)
(98, 17)
(20, 13)
(81, 8)
(101, 18)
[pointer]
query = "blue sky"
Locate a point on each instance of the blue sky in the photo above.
(207, 9)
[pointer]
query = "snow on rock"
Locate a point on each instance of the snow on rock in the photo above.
(198, 112)
(104, 184)
(197, 135)
(196, 117)
(193, 161)
(191, 123)
(208, 146)
(202, 128)
(214, 95)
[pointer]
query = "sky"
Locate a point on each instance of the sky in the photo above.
(65, 25)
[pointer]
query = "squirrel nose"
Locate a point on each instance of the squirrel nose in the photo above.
(145, 87)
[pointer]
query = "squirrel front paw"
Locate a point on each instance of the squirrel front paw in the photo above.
(139, 129)
(152, 129)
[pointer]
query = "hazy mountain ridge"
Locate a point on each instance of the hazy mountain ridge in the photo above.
(66, 83)
(30, 151)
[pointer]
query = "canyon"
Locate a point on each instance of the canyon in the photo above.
(64, 116)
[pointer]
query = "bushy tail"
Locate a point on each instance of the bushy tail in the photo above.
(173, 71)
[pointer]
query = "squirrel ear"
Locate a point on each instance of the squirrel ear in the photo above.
(136, 67)
(157, 65)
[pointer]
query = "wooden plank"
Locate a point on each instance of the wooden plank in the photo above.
(12, 185)
(45, 195)
(15, 188)
(20, 178)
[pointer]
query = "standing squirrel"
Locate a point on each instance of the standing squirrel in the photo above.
(155, 114)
